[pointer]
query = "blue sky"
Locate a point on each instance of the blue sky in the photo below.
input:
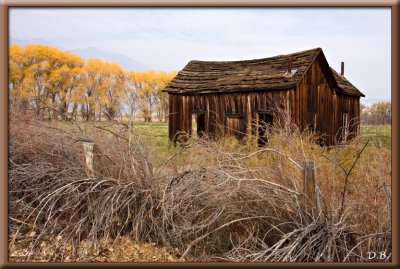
(167, 38)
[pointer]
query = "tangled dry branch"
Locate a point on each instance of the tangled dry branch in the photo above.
(50, 190)
(237, 208)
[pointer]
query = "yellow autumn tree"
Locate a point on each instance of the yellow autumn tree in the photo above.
(38, 75)
(161, 98)
(29, 69)
(59, 84)
(149, 85)
(114, 89)
(91, 82)
(62, 82)
(17, 63)
(143, 84)
(102, 86)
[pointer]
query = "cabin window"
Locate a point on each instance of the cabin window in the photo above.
(292, 72)
(198, 124)
(312, 122)
(265, 121)
(345, 126)
(313, 127)
(234, 125)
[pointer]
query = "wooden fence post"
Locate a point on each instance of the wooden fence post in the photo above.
(310, 188)
(88, 149)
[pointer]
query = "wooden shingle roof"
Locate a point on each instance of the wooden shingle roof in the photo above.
(245, 76)
(345, 86)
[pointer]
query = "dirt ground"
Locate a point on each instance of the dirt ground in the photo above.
(122, 249)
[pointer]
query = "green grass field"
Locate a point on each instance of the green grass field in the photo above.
(155, 136)
(379, 135)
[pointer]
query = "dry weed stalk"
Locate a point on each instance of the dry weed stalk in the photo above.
(51, 194)
(245, 204)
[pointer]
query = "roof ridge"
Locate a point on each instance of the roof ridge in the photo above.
(252, 75)
(318, 51)
(258, 59)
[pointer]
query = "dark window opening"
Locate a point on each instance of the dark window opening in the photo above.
(265, 121)
(198, 125)
(201, 125)
(345, 126)
(312, 122)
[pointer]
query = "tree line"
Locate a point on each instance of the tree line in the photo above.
(53, 83)
(377, 113)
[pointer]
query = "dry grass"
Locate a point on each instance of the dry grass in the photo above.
(51, 194)
(247, 204)
(212, 200)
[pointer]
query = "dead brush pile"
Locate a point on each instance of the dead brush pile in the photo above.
(248, 205)
(50, 193)
(245, 203)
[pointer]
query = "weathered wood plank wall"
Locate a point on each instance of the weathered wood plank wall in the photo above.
(318, 105)
(313, 104)
(224, 113)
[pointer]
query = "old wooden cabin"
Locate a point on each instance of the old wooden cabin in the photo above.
(237, 97)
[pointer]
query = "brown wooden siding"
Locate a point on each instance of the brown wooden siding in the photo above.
(223, 112)
(313, 102)
(316, 97)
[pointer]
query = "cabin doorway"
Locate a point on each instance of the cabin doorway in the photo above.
(345, 127)
(198, 125)
(265, 121)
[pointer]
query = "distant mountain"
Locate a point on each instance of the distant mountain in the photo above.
(90, 52)
(24, 42)
(126, 62)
